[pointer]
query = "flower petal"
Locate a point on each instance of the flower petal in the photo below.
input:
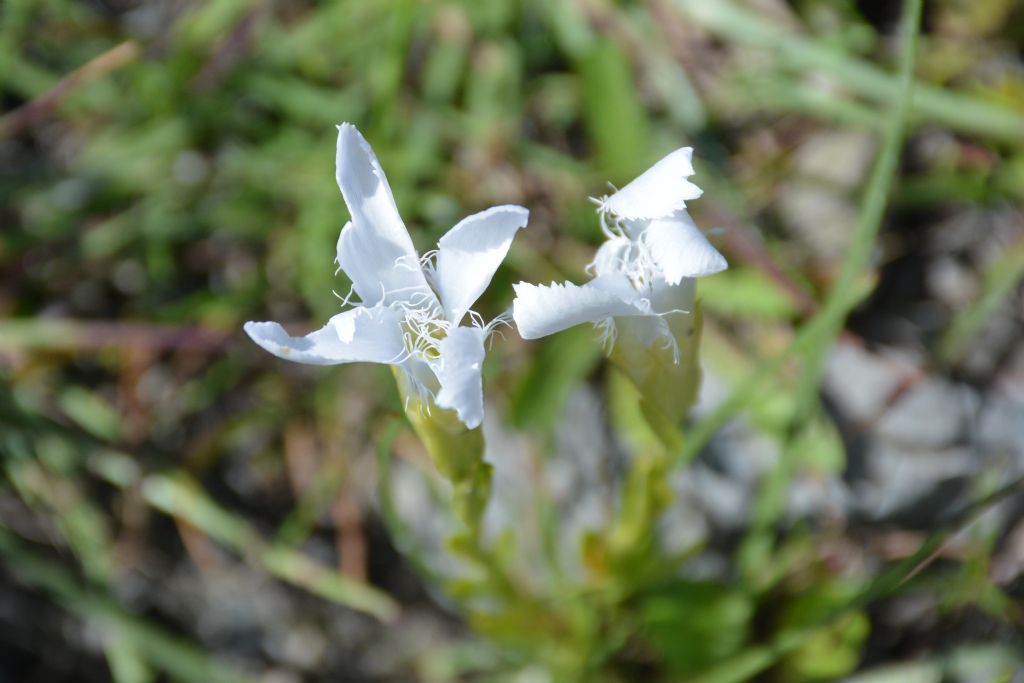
(372, 335)
(540, 310)
(374, 249)
(680, 249)
(458, 371)
(658, 191)
(470, 253)
(665, 296)
(611, 256)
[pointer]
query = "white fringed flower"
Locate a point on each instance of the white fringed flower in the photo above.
(411, 308)
(645, 271)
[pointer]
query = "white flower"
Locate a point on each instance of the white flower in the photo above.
(644, 273)
(411, 308)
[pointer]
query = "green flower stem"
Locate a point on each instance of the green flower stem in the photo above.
(668, 381)
(644, 497)
(458, 455)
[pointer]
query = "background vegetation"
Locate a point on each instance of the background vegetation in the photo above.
(178, 505)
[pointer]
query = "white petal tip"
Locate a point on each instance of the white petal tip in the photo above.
(271, 337)
(256, 329)
(540, 310)
(470, 253)
(657, 192)
(716, 263)
(515, 208)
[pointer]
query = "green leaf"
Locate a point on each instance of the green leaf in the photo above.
(1001, 277)
(746, 293)
(91, 412)
(833, 650)
(696, 624)
(818, 446)
(614, 116)
(126, 665)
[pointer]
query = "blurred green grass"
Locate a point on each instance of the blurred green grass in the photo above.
(166, 173)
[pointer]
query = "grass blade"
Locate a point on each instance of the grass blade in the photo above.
(958, 111)
(182, 498)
